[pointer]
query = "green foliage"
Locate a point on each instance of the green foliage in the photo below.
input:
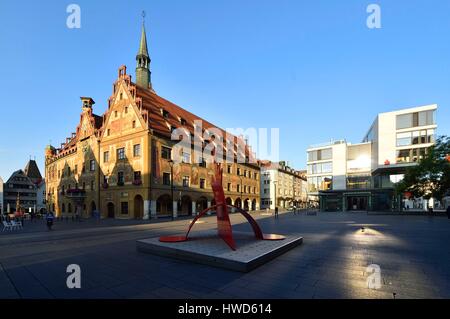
(431, 177)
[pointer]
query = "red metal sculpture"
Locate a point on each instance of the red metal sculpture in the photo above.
(224, 229)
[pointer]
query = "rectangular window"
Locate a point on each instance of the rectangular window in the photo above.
(229, 169)
(186, 157)
(133, 124)
(312, 156)
(166, 178)
(404, 139)
(166, 153)
(124, 208)
(325, 154)
(358, 182)
(137, 176)
(422, 119)
(202, 183)
(92, 165)
(404, 156)
(229, 187)
(415, 138)
(121, 153)
(430, 136)
(327, 167)
(186, 182)
(404, 121)
(137, 150)
(238, 188)
(120, 178)
(423, 137)
(238, 171)
(106, 157)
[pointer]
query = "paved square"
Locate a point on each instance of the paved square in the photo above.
(412, 251)
(208, 249)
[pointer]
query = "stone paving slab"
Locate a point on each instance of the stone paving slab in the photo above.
(207, 248)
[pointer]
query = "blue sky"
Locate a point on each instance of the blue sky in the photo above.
(311, 68)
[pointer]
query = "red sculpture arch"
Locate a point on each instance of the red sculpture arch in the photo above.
(224, 228)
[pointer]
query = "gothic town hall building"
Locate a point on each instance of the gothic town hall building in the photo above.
(119, 165)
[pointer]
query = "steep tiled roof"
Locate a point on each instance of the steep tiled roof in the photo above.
(98, 121)
(155, 104)
(32, 171)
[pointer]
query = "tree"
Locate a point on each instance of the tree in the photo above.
(431, 177)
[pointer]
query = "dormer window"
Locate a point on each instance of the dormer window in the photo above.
(182, 121)
(165, 113)
(121, 96)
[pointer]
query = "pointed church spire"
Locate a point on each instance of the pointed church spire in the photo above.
(143, 50)
(143, 74)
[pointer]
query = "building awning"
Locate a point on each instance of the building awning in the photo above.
(354, 192)
(393, 169)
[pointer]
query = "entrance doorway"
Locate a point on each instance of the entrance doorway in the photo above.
(138, 207)
(357, 203)
(111, 213)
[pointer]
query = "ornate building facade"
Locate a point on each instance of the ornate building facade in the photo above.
(282, 186)
(25, 187)
(122, 164)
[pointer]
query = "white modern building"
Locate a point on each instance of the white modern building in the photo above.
(282, 186)
(345, 176)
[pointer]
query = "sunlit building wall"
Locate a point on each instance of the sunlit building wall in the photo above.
(345, 176)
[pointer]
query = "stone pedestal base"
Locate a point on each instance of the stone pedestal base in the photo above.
(205, 247)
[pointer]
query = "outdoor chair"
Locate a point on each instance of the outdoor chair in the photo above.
(16, 225)
(7, 226)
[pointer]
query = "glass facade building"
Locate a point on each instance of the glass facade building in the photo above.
(344, 176)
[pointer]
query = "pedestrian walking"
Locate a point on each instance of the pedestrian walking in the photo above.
(49, 217)
(276, 212)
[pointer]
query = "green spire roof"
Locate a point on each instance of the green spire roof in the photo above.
(143, 45)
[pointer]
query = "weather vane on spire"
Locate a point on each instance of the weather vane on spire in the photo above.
(143, 16)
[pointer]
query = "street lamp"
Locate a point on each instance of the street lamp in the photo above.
(171, 188)
(240, 177)
(275, 184)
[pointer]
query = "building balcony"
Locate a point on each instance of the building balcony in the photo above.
(76, 193)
